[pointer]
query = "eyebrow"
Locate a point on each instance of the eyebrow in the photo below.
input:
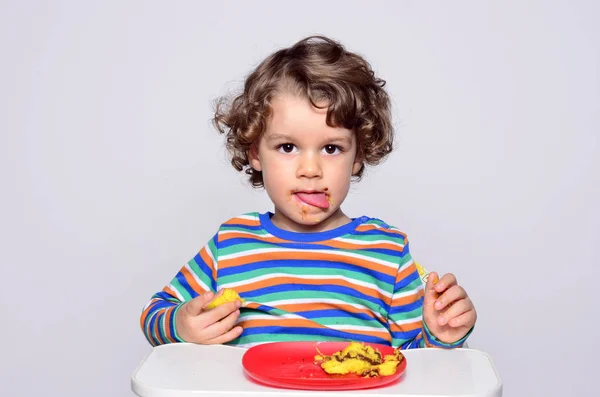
(275, 137)
(283, 137)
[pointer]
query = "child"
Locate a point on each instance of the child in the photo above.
(309, 119)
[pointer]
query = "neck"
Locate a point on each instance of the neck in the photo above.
(335, 220)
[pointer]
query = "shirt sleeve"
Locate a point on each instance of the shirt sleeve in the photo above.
(194, 278)
(405, 316)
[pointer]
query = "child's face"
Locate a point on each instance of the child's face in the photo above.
(306, 165)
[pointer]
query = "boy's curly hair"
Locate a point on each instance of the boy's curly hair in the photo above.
(323, 71)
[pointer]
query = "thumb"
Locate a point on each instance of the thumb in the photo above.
(195, 306)
(430, 293)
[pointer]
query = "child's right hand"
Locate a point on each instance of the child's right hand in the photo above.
(207, 327)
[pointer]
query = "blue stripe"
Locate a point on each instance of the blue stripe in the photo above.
(336, 313)
(151, 330)
(407, 308)
(181, 279)
(406, 281)
(408, 335)
(162, 304)
(304, 263)
(258, 240)
(341, 313)
(309, 287)
(412, 344)
(172, 325)
(206, 270)
(332, 333)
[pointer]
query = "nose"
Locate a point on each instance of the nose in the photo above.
(309, 166)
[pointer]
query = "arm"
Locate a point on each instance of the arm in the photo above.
(405, 315)
(193, 279)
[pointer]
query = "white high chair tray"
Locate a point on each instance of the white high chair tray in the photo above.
(182, 370)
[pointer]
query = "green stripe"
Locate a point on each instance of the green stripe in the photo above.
(263, 338)
(205, 278)
(304, 271)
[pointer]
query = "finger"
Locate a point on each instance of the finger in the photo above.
(445, 282)
(221, 327)
(458, 308)
(466, 319)
(430, 294)
(451, 295)
(226, 337)
(194, 307)
(220, 312)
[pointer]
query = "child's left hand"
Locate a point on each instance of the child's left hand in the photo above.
(447, 309)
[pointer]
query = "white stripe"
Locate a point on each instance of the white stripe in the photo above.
(348, 328)
(366, 242)
(179, 296)
(370, 286)
(406, 265)
(202, 285)
(408, 293)
(247, 217)
(151, 302)
(212, 258)
(418, 318)
(254, 252)
(250, 233)
(277, 303)
(272, 317)
(164, 326)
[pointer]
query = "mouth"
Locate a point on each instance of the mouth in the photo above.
(313, 198)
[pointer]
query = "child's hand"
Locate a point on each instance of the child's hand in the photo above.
(447, 309)
(207, 327)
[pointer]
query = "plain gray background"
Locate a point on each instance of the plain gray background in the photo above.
(112, 176)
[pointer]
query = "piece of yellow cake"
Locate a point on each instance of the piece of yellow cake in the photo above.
(360, 359)
(228, 295)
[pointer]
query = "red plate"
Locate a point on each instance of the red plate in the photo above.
(291, 365)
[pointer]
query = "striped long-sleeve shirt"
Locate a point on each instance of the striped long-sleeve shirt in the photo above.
(356, 282)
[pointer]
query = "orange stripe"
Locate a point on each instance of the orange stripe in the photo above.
(302, 307)
(379, 334)
(362, 262)
(296, 280)
(170, 291)
(366, 228)
(407, 272)
(144, 314)
(191, 281)
(406, 327)
(209, 262)
(407, 300)
(238, 234)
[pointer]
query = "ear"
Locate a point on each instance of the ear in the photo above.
(358, 163)
(357, 166)
(253, 158)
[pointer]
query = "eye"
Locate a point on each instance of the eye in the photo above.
(286, 148)
(332, 149)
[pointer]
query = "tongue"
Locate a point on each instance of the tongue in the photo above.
(314, 199)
